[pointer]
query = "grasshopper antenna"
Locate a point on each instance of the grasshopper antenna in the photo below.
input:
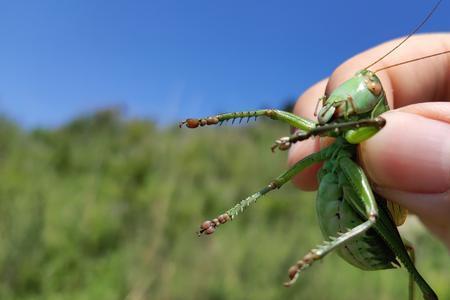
(409, 35)
(412, 60)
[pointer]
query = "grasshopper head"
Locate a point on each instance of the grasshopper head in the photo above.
(358, 95)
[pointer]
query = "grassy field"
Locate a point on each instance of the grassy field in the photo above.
(103, 208)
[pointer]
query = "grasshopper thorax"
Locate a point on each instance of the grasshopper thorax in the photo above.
(358, 95)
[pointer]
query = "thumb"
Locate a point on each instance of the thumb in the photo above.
(412, 152)
(409, 162)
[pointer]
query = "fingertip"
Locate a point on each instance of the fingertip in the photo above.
(433, 209)
(411, 153)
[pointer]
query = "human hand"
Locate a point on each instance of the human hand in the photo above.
(408, 161)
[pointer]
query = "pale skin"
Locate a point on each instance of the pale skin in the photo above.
(408, 161)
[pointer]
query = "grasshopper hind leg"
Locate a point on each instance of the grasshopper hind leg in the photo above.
(411, 284)
(322, 250)
(364, 202)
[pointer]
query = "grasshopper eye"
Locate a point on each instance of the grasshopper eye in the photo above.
(374, 86)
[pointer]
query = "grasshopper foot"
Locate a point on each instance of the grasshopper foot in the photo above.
(282, 144)
(208, 227)
(194, 123)
(302, 264)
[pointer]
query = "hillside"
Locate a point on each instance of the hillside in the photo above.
(106, 208)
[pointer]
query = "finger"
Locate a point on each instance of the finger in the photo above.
(432, 209)
(412, 152)
(307, 179)
(436, 111)
(416, 82)
(424, 80)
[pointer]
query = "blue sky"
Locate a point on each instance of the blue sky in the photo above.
(168, 60)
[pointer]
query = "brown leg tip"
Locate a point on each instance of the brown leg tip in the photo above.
(210, 230)
(205, 225)
(292, 272)
(208, 227)
(223, 218)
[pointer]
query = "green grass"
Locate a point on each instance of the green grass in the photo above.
(107, 209)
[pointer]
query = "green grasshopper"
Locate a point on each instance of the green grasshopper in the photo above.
(350, 114)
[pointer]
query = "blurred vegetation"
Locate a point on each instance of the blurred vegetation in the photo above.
(104, 208)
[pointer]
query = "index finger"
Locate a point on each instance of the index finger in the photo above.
(421, 81)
